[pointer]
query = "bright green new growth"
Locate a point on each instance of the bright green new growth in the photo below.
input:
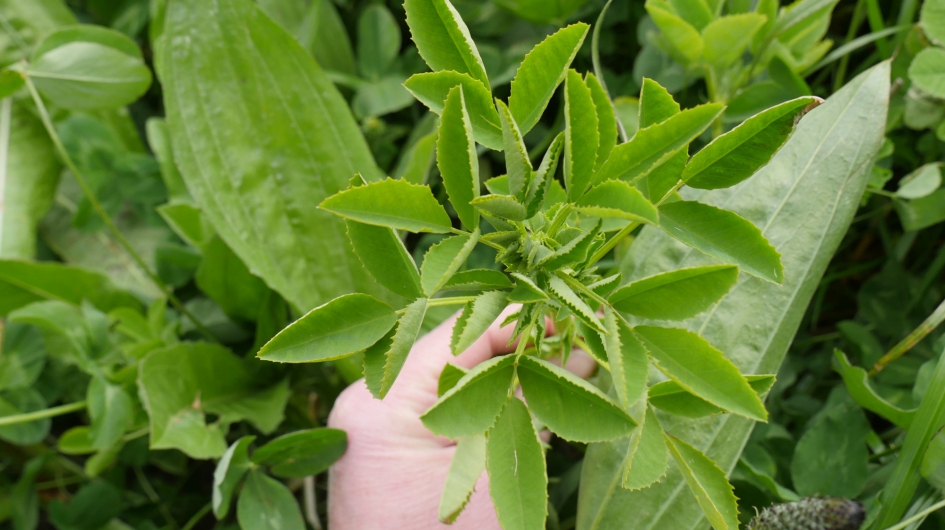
(549, 231)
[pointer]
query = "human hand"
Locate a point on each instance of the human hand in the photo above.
(393, 472)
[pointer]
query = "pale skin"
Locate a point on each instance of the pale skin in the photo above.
(393, 472)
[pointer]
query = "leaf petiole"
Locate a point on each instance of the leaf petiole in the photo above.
(42, 414)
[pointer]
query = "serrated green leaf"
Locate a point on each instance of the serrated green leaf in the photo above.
(726, 38)
(469, 461)
(616, 199)
(657, 144)
(431, 89)
(542, 70)
(570, 406)
(472, 406)
(384, 255)
(685, 40)
(518, 482)
(476, 318)
(724, 235)
(344, 326)
(672, 398)
(648, 458)
(857, 382)
(442, 38)
(501, 206)
(526, 290)
(517, 165)
(391, 203)
(564, 294)
(445, 258)
(656, 104)
(707, 482)
(739, 153)
(544, 178)
(231, 468)
(606, 120)
(627, 359)
(675, 295)
(302, 453)
(457, 159)
(701, 369)
(581, 135)
(267, 503)
(574, 251)
(384, 362)
(450, 375)
(477, 280)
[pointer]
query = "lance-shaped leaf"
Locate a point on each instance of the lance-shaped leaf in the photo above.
(737, 154)
(627, 359)
(501, 206)
(675, 295)
(657, 105)
(383, 254)
(442, 38)
(267, 503)
(570, 406)
(581, 135)
(384, 360)
(22, 283)
(724, 235)
(344, 326)
(517, 165)
(702, 370)
(476, 318)
(449, 377)
(657, 144)
(431, 89)
(392, 203)
(672, 398)
(857, 382)
(477, 280)
(231, 468)
(443, 259)
(647, 458)
(617, 199)
(469, 461)
(726, 38)
(302, 453)
(684, 39)
(540, 73)
(526, 290)
(606, 120)
(564, 294)
(472, 406)
(457, 159)
(707, 482)
(544, 178)
(574, 251)
(518, 482)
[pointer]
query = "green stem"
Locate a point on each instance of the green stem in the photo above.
(612, 242)
(452, 300)
(911, 340)
(918, 517)
(41, 414)
(198, 516)
(97, 206)
(560, 218)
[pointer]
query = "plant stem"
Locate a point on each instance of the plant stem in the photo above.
(560, 219)
(42, 414)
(198, 516)
(452, 300)
(919, 516)
(612, 242)
(97, 206)
(911, 340)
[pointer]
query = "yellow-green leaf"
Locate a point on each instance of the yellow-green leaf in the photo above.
(581, 135)
(392, 203)
(707, 482)
(442, 38)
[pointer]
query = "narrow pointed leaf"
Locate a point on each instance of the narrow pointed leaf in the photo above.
(657, 144)
(544, 178)
(702, 370)
(457, 159)
(564, 294)
(685, 40)
(392, 203)
(649, 459)
(570, 406)
(656, 104)
(581, 135)
(737, 154)
(518, 481)
(382, 364)
(442, 38)
(431, 89)
(675, 295)
(383, 254)
(230, 470)
(724, 235)
(707, 482)
(606, 120)
(573, 251)
(672, 398)
(477, 280)
(617, 199)
(450, 375)
(476, 318)
(375, 360)
(540, 73)
(627, 359)
(526, 290)
(472, 406)
(501, 206)
(444, 259)
(469, 461)
(726, 38)
(517, 165)
(346, 325)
